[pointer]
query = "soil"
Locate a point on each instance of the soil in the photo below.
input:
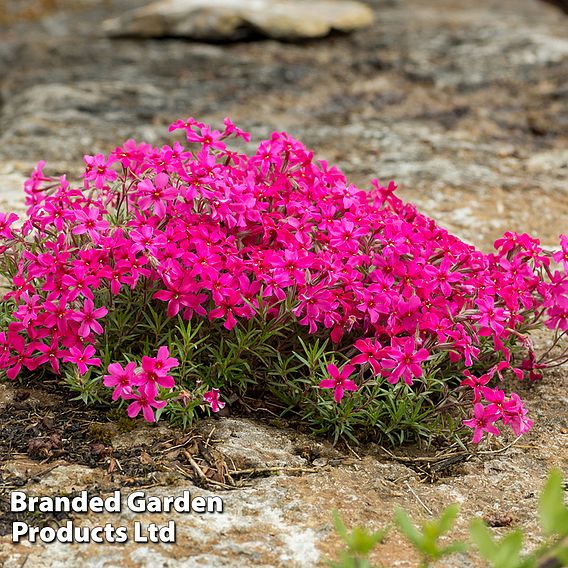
(464, 104)
(43, 432)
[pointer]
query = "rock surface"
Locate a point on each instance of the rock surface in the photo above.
(284, 520)
(562, 4)
(464, 104)
(218, 20)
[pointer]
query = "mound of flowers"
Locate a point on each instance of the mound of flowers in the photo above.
(180, 278)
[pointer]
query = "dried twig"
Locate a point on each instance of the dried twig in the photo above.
(424, 459)
(202, 475)
(179, 445)
(418, 499)
(195, 466)
(500, 450)
(207, 455)
(353, 451)
(206, 480)
(275, 469)
(208, 441)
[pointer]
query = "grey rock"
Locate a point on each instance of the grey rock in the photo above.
(464, 104)
(252, 445)
(562, 4)
(232, 19)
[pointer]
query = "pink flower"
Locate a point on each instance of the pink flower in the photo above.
(22, 357)
(516, 415)
(232, 130)
(156, 194)
(205, 136)
(558, 315)
(76, 284)
(98, 170)
(5, 222)
(51, 353)
(82, 358)
(371, 352)
(161, 364)
(155, 371)
(490, 316)
(130, 153)
(144, 401)
(180, 295)
(339, 381)
(497, 399)
(531, 365)
(33, 186)
(313, 303)
(88, 316)
(152, 381)
(229, 306)
(476, 383)
(443, 276)
(404, 361)
(345, 235)
(562, 255)
(28, 311)
(121, 379)
(56, 314)
(213, 398)
(90, 221)
(482, 421)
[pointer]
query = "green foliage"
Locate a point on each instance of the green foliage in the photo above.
(505, 552)
(426, 539)
(269, 357)
(553, 512)
(88, 388)
(359, 541)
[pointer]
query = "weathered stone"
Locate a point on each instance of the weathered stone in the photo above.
(463, 104)
(233, 19)
(251, 445)
(562, 4)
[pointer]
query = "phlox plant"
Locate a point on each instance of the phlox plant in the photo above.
(174, 280)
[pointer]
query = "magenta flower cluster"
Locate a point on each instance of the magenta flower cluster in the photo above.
(221, 232)
(142, 385)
